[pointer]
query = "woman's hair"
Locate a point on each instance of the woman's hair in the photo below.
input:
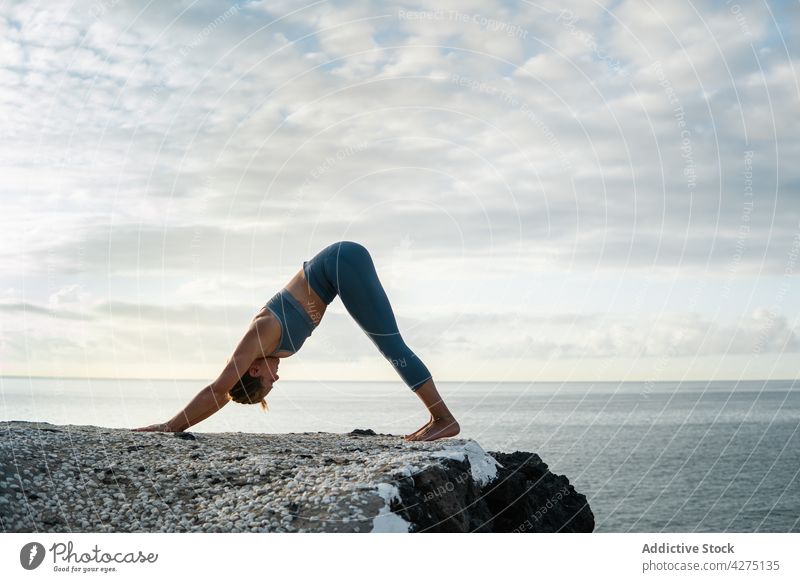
(248, 390)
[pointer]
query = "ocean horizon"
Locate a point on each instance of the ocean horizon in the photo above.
(713, 456)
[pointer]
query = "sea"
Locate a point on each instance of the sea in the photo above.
(649, 457)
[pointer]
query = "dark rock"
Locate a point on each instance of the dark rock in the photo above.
(524, 497)
(187, 436)
(442, 498)
(362, 432)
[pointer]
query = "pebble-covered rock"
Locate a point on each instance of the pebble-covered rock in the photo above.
(92, 479)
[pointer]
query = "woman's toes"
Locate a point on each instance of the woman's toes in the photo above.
(414, 434)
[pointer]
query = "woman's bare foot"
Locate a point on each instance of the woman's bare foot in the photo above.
(408, 437)
(440, 428)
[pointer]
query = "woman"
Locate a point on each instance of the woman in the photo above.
(343, 268)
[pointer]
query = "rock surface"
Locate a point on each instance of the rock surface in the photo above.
(92, 479)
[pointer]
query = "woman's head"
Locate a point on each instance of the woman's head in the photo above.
(256, 382)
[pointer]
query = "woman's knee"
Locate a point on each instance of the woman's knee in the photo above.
(395, 350)
(351, 249)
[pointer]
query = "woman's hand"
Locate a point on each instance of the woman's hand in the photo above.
(164, 427)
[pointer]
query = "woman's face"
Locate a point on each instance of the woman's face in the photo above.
(267, 370)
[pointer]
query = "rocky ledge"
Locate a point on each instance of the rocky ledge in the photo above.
(92, 479)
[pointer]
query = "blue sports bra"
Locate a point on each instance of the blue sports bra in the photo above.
(296, 324)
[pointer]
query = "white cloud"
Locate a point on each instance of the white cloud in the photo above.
(67, 296)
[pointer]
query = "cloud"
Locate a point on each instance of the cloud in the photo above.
(588, 336)
(200, 152)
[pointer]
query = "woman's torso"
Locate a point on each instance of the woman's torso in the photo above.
(306, 299)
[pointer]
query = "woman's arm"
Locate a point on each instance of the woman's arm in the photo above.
(214, 396)
(204, 404)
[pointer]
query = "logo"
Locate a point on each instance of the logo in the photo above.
(31, 555)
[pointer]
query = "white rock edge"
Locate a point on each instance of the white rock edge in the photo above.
(387, 521)
(482, 464)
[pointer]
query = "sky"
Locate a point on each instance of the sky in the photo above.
(551, 191)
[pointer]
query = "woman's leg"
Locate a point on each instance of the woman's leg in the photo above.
(441, 423)
(351, 271)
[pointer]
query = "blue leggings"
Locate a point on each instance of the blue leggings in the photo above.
(345, 268)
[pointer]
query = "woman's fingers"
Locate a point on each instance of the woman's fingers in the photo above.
(153, 428)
